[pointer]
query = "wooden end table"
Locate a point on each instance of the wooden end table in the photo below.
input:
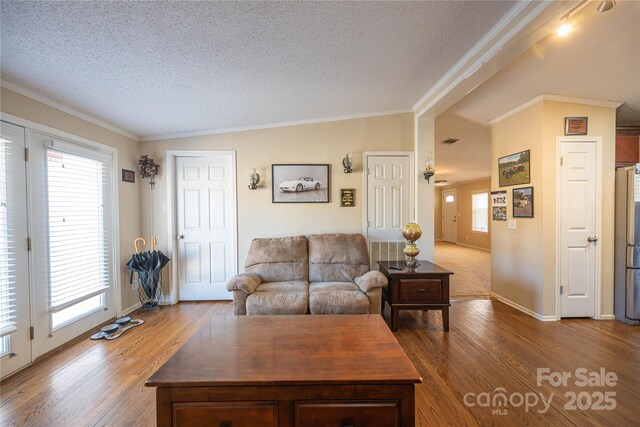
(286, 371)
(425, 287)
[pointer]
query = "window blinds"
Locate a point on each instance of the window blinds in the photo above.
(480, 208)
(8, 279)
(79, 246)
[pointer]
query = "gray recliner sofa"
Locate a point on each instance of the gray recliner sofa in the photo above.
(321, 274)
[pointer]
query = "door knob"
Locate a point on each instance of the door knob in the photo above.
(180, 236)
(592, 239)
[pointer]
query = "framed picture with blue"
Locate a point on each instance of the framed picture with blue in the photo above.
(300, 183)
(523, 202)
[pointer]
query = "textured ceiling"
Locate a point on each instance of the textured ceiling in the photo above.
(157, 68)
(599, 60)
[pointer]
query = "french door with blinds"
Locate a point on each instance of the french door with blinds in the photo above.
(71, 255)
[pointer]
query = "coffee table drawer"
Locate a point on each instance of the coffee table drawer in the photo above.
(420, 290)
(347, 413)
(228, 414)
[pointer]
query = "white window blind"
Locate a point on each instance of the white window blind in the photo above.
(480, 212)
(79, 246)
(8, 279)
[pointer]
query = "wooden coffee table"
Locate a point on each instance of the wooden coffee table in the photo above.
(322, 370)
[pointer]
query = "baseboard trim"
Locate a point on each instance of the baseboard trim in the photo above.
(437, 240)
(525, 310)
(607, 317)
(128, 310)
(474, 247)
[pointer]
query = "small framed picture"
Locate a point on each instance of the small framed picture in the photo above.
(128, 176)
(300, 183)
(347, 197)
(575, 125)
(523, 202)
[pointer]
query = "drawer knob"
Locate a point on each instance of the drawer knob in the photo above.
(347, 423)
(225, 424)
(420, 290)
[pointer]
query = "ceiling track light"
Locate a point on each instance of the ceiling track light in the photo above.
(606, 5)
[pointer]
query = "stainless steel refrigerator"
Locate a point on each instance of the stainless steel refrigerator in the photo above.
(627, 247)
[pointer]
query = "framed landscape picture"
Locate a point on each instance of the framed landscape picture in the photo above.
(300, 183)
(523, 202)
(514, 169)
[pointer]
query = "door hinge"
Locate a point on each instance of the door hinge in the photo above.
(561, 289)
(26, 154)
(31, 332)
(561, 161)
(29, 244)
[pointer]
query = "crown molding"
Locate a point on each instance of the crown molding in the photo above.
(271, 126)
(504, 31)
(21, 90)
(555, 98)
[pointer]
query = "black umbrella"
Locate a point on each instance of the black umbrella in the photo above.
(148, 265)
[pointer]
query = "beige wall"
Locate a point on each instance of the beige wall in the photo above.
(465, 235)
(128, 154)
(524, 260)
(313, 143)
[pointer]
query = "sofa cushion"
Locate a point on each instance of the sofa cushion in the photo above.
(279, 259)
(279, 298)
(337, 257)
(337, 298)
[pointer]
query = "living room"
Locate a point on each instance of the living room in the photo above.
(117, 89)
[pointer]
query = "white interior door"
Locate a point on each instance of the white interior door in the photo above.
(450, 216)
(578, 229)
(15, 318)
(206, 225)
(388, 196)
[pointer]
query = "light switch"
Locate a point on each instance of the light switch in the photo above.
(511, 224)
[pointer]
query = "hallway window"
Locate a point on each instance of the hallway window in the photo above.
(480, 212)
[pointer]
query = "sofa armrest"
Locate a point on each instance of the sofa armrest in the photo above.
(244, 282)
(371, 280)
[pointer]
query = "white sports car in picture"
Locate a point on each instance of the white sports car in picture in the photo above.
(301, 184)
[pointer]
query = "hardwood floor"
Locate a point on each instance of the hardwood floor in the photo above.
(472, 268)
(490, 345)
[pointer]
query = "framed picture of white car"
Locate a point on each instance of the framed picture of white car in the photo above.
(300, 183)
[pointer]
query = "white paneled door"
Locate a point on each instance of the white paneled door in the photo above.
(206, 225)
(388, 196)
(450, 216)
(578, 229)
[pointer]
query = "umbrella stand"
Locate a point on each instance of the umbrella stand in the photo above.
(148, 265)
(150, 291)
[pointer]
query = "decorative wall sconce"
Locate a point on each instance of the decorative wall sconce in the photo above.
(606, 5)
(347, 162)
(254, 180)
(148, 169)
(429, 170)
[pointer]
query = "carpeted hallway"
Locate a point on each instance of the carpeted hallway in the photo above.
(471, 268)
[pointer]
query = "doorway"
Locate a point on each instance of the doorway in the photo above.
(449, 216)
(388, 202)
(58, 240)
(205, 229)
(578, 213)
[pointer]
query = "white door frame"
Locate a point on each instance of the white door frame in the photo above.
(365, 177)
(442, 204)
(597, 140)
(172, 216)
